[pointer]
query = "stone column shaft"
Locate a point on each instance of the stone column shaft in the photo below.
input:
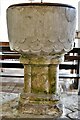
(27, 78)
(52, 78)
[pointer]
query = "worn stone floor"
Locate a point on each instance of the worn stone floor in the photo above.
(11, 88)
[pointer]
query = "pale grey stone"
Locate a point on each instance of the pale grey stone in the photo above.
(5, 97)
(41, 29)
(63, 118)
(70, 101)
(75, 115)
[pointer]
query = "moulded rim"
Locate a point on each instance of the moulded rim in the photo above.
(42, 4)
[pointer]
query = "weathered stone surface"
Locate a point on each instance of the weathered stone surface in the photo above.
(41, 29)
(37, 31)
(40, 74)
(75, 115)
(40, 60)
(70, 101)
(12, 112)
(40, 81)
(27, 78)
(63, 118)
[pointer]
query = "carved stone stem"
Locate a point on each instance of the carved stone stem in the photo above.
(40, 81)
(27, 78)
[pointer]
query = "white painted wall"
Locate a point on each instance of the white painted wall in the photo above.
(5, 3)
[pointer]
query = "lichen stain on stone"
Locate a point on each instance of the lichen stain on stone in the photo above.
(52, 79)
(39, 78)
